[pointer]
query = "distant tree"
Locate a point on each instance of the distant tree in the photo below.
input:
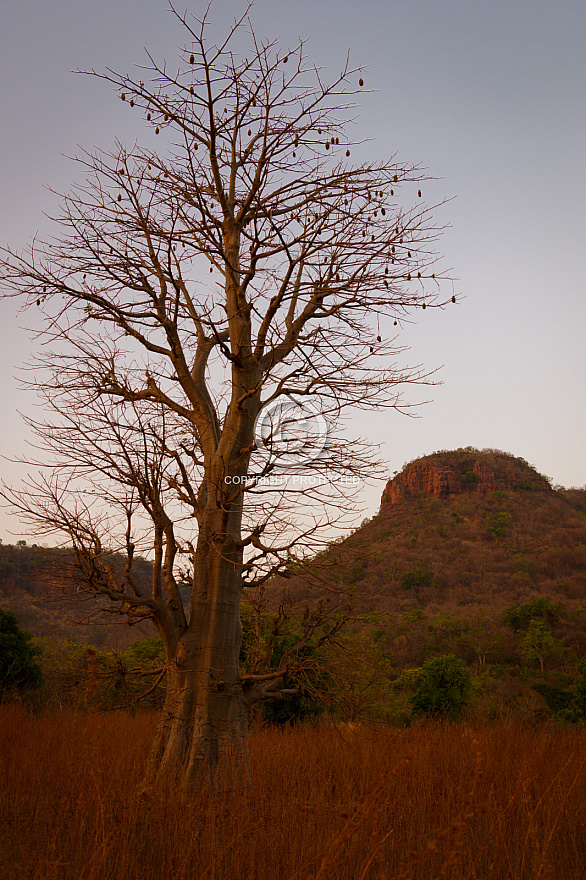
(480, 635)
(443, 687)
(497, 524)
(519, 617)
(538, 642)
(18, 667)
(417, 579)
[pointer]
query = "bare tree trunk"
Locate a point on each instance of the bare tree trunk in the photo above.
(202, 734)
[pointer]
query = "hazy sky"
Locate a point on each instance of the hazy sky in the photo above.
(489, 97)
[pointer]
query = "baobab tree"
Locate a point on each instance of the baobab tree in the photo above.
(201, 300)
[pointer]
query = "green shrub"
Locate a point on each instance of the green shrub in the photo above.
(497, 525)
(443, 688)
(18, 667)
(580, 698)
(418, 577)
(520, 617)
(561, 703)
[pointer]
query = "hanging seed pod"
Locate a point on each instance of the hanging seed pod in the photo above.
(319, 131)
(122, 97)
(409, 277)
(347, 152)
(337, 140)
(424, 306)
(38, 302)
(254, 102)
(191, 91)
(419, 274)
(156, 130)
(433, 274)
(395, 323)
(166, 116)
(327, 145)
(379, 339)
(419, 193)
(196, 145)
(131, 102)
(191, 59)
(285, 59)
(148, 117)
(393, 249)
(453, 299)
(395, 178)
(211, 268)
(345, 201)
(294, 154)
(333, 140)
(383, 211)
(409, 254)
(360, 82)
(371, 350)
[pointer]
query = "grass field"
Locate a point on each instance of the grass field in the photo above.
(431, 800)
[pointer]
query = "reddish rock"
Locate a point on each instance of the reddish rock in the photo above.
(462, 471)
(423, 478)
(486, 478)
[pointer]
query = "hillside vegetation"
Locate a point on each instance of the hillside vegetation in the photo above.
(473, 556)
(483, 545)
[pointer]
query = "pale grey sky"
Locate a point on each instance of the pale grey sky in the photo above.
(490, 98)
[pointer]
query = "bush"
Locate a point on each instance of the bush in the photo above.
(497, 525)
(580, 698)
(418, 577)
(18, 668)
(561, 703)
(520, 617)
(443, 688)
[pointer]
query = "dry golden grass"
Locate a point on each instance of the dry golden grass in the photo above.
(433, 800)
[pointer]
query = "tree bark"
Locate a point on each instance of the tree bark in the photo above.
(202, 734)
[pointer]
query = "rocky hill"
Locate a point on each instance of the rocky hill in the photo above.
(460, 531)
(463, 471)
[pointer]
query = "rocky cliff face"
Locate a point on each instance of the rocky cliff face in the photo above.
(445, 474)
